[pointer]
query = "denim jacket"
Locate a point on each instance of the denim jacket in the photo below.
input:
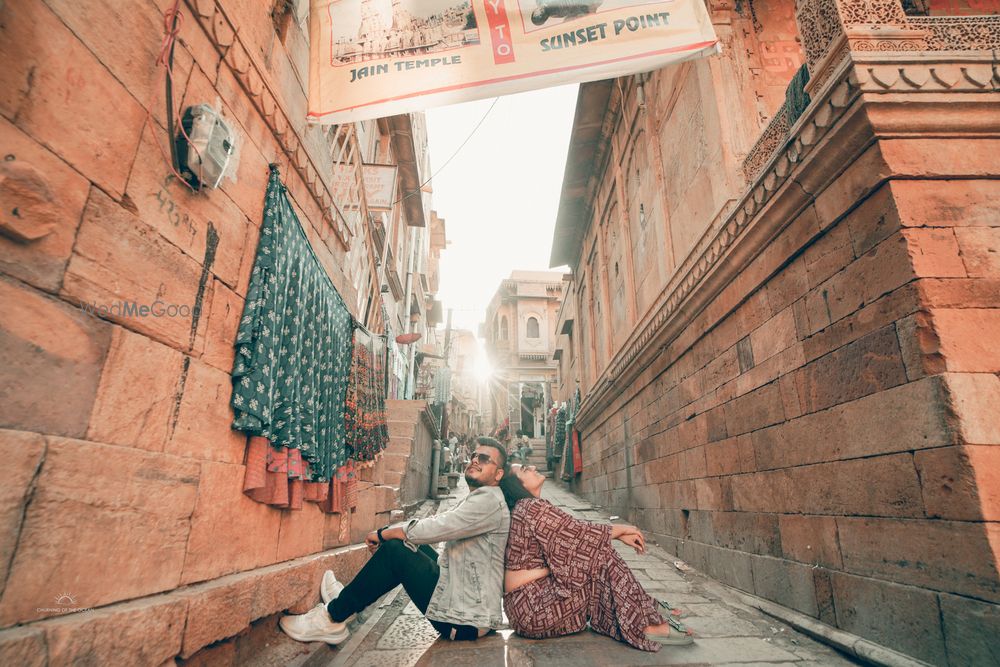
(470, 587)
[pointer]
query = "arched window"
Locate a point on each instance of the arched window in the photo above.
(532, 328)
(503, 328)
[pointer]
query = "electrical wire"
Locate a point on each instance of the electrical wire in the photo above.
(172, 21)
(452, 157)
(171, 27)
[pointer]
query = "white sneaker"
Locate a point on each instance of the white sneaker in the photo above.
(315, 626)
(330, 589)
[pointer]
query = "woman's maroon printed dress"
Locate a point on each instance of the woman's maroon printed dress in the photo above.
(589, 581)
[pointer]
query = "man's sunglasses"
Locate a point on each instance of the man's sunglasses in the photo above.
(483, 458)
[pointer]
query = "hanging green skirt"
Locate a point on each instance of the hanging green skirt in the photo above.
(293, 347)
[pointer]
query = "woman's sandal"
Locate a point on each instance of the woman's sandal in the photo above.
(678, 635)
(672, 611)
(683, 638)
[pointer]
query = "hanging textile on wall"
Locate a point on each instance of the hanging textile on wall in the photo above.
(572, 463)
(566, 466)
(366, 431)
(343, 495)
(560, 432)
(550, 436)
(290, 374)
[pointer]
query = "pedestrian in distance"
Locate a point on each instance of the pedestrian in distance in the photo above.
(514, 449)
(562, 574)
(524, 450)
(460, 593)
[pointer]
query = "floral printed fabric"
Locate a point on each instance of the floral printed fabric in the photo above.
(560, 439)
(367, 433)
(293, 352)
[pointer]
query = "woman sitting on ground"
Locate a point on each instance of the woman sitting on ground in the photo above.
(562, 572)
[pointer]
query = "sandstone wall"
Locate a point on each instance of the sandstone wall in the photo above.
(822, 430)
(122, 488)
(800, 395)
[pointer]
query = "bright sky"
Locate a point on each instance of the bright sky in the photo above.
(499, 195)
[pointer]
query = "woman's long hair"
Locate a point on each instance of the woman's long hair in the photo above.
(512, 489)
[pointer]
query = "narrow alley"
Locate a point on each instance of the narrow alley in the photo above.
(278, 276)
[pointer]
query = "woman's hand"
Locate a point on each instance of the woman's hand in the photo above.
(634, 540)
(619, 529)
(629, 535)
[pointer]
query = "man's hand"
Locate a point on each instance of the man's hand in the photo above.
(371, 539)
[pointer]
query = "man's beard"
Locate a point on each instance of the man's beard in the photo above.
(473, 483)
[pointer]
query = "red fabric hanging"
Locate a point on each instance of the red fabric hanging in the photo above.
(277, 477)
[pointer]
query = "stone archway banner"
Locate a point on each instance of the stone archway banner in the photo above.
(374, 58)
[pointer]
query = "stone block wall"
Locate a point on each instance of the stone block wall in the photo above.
(407, 460)
(122, 484)
(823, 431)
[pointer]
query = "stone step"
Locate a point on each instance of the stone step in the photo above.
(399, 445)
(386, 498)
(396, 462)
(401, 428)
(406, 410)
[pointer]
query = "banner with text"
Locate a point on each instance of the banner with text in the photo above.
(380, 185)
(374, 58)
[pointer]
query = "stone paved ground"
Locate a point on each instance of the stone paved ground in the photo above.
(393, 633)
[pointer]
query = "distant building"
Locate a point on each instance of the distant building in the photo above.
(520, 335)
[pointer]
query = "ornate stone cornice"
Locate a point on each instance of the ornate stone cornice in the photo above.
(770, 140)
(727, 246)
(926, 73)
(959, 33)
(223, 34)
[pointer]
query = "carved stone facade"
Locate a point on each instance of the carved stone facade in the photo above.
(802, 405)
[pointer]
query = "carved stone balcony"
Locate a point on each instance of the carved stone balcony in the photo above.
(832, 29)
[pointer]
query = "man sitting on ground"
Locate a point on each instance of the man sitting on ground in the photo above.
(466, 604)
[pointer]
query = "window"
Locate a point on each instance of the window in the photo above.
(503, 328)
(533, 328)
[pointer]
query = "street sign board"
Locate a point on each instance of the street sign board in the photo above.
(379, 180)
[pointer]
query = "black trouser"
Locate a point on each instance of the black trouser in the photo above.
(391, 565)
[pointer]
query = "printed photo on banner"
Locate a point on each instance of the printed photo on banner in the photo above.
(377, 29)
(538, 14)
